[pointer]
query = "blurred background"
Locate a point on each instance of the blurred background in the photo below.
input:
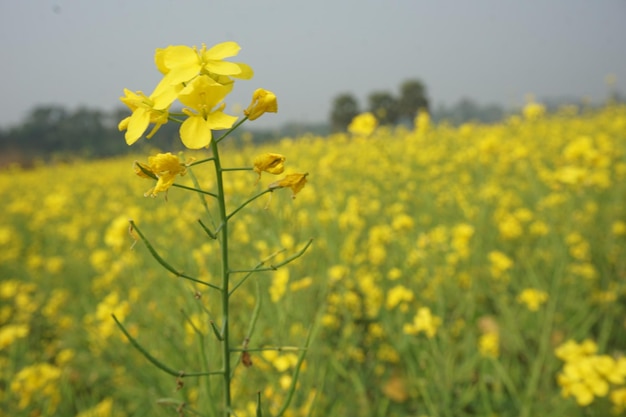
(66, 62)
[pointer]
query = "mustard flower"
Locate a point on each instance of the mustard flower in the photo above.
(163, 167)
(363, 124)
(618, 398)
(424, 321)
(532, 298)
(399, 296)
(180, 63)
(9, 333)
(489, 344)
(263, 101)
(294, 181)
(203, 94)
(145, 110)
(273, 163)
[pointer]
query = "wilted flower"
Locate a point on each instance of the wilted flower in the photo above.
(163, 167)
(273, 163)
(263, 101)
(294, 181)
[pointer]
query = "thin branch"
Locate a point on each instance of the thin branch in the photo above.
(250, 200)
(155, 361)
(165, 264)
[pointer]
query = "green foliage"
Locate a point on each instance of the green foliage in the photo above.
(344, 108)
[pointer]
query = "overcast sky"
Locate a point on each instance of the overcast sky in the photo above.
(84, 52)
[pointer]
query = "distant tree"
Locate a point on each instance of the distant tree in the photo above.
(412, 98)
(345, 107)
(384, 106)
(466, 110)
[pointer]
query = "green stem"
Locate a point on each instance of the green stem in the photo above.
(296, 373)
(165, 265)
(155, 361)
(194, 189)
(228, 132)
(201, 161)
(250, 200)
(238, 169)
(223, 234)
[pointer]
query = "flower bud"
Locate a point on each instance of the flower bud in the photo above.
(262, 101)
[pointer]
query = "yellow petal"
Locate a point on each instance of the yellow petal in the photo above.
(195, 133)
(222, 50)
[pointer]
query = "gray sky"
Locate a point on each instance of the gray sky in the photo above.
(75, 52)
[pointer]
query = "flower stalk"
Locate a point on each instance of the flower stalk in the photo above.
(200, 79)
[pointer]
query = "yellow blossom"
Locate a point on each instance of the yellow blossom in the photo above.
(500, 263)
(164, 167)
(424, 321)
(363, 124)
(263, 101)
(202, 95)
(489, 344)
(146, 110)
(11, 332)
(294, 181)
(533, 298)
(399, 296)
(181, 63)
(273, 163)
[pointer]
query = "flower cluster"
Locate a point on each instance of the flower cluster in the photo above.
(200, 79)
(586, 375)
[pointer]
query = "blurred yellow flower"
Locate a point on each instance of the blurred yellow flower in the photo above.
(533, 298)
(534, 111)
(489, 344)
(500, 263)
(423, 322)
(399, 296)
(363, 124)
(9, 333)
(102, 409)
(263, 101)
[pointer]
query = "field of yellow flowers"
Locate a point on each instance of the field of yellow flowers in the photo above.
(470, 271)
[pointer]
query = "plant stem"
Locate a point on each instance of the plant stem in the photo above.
(223, 237)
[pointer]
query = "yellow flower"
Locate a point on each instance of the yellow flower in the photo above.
(11, 332)
(273, 163)
(263, 101)
(399, 296)
(424, 321)
(180, 63)
(489, 344)
(618, 398)
(534, 111)
(532, 298)
(500, 263)
(294, 181)
(363, 124)
(163, 167)
(146, 110)
(203, 94)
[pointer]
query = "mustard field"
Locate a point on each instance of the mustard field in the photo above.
(470, 271)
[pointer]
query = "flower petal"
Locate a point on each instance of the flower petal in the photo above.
(195, 133)
(222, 50)
(137, 125)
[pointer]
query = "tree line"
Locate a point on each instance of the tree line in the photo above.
(388, 109)
(52, 132)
